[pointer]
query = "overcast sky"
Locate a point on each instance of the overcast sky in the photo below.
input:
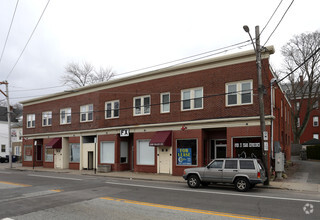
(129, 35)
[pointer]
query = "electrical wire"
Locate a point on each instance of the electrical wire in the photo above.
(5, 44)
(26, 90)
(279, 22)
(271, 17)
(28, 40)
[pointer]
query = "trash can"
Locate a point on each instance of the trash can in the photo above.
(303, 154)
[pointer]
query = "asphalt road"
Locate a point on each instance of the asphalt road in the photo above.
(46, 195)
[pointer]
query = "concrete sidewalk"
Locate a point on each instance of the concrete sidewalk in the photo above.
(280, 184)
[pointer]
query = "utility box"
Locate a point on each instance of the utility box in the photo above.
(279, 162)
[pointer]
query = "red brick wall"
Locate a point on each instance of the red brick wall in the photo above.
(212, 80)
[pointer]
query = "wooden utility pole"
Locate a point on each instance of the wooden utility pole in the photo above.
(6, 94)
(264, 134)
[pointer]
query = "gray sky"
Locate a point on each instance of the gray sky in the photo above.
(129, 35)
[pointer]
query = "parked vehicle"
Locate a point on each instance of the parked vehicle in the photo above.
(4, 159)
(244, 173)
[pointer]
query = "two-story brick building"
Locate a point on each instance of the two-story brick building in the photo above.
(161, 121)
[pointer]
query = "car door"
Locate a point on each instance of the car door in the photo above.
(213, 173)
(230, 170)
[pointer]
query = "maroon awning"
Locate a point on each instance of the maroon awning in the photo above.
(55, 143)
(162, 138)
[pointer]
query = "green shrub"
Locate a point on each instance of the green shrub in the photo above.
(313, 152)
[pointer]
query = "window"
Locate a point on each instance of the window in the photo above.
(316, 136)
(27, 156)
(107, 152)
(65, 116)
(74, 153)
(141, 105)
(123, 152)
(112, 109)
(231, 164)
(315, 121)
(46, 118)
(298, 122)
(86, 113)
(192, 99)
(31, 120)
(217, 164)
(165, 102)
(239, 93)
(246, 164)
(297, 106)
(3, 148)
(48, 155)
(145, 153)
(316, 105)
(190, 147)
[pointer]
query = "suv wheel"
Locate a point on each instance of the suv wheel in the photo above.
(242, 184)
(193, 181)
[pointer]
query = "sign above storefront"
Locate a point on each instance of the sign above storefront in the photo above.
(124, 132)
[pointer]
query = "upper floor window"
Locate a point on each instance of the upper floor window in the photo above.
(86, 113)
(298, 122)
(112, 109)
(315, 136)
(46, 118)
(31, 120)
(297, 106)
(165, 102)
(239, 93)
(315, 121)
(192, 99)
(316, 105)
(141, 105)
(65, 116)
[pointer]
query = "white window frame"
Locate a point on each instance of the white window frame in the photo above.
(65, 113)
(239, 92)
(113, 109)
(145, 154)
(315, 121)
(32, 119)
(143, 109)
(46, 119)
(192, 98)
(72, 158)
(298, 122)
(162, 110)
(48, 157)
(107, 152)
(315, 136)
(86, 111)
(315, 105)
(298, 106)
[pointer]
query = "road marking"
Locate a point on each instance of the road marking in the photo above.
(214, 192)
(56, 190)
(55, 177)
(176, 208)
(15, 184)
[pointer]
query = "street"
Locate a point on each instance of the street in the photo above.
(48, 195)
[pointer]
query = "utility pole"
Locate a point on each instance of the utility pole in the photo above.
(264, 134)
(6, 94)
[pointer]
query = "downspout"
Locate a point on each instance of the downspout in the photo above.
(273, 80)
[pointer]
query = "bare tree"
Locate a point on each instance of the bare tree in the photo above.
(77, 75)
(303, 86)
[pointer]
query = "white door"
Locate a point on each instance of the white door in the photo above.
(165, 160)
(57, 158)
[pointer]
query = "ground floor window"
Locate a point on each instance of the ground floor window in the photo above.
(27, 153)
(107, 152)
(124, 152)
(145, 153)
(247, 147)
(75, 153)
(48, 155)
(187, 152)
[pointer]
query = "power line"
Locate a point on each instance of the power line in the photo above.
(26, 90)
(5, 44)
(28, 40)
(279, 22)
(271, 17)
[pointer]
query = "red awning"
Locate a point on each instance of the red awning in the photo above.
(55, 143)
(162, 138)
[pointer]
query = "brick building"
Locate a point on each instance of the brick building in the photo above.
(161, 121)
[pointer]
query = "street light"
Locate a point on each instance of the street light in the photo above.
(264, 135)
